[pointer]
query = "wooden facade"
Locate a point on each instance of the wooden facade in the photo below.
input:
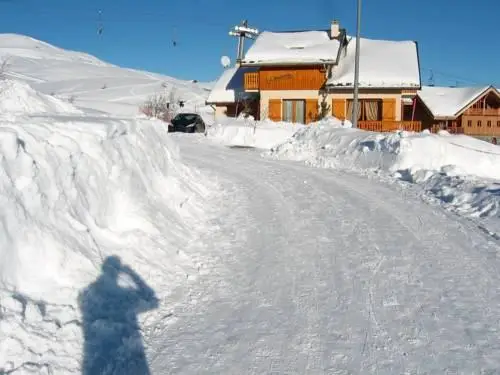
(251, 81)
(378, 113)
(386, 110)
(283, 78)
(480, 118)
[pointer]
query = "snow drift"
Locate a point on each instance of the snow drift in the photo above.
(19, 98)
(457, 169)
(74, 193)
(265, 134)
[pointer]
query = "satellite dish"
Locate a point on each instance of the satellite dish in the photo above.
(225, 61)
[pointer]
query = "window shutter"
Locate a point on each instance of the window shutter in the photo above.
(338, 108)
(274, 109)
(389, 109)
(311, 110)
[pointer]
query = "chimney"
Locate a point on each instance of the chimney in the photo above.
(335, 29)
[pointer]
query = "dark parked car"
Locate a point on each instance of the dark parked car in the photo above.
(187, 123)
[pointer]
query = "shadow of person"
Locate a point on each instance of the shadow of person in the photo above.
(113, 341)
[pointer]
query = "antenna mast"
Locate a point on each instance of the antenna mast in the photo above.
(243, 31)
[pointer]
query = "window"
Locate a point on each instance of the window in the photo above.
(479, 123)
(488, 124)
(369, 109)
(294, 111)
(469, 123)
(498, 124)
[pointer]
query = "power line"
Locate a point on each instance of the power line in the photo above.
(456, 79)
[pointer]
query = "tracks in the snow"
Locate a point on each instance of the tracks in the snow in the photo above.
(321, 273)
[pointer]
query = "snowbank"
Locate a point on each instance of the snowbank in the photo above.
(19, 98)
(457, 169)
(260, 134)
(73, 194)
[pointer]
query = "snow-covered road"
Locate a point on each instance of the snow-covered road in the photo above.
(313, 271)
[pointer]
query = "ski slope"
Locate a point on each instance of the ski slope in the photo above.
(323, 272)
(89, 82)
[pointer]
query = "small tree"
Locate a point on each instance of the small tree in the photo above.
(323, 108)
(160, 107)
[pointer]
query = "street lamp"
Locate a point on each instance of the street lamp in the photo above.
(355, 104)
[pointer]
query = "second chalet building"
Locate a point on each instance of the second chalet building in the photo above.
(289, 76)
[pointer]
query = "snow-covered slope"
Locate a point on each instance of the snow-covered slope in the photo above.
(89, 82)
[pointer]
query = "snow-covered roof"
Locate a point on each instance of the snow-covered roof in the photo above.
(292, 48)
(449, 101)
(229, 85)
(382, 64)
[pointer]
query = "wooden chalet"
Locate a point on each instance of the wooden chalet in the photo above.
(473, 111)
(292, 75)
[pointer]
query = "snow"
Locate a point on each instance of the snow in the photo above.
(125, 249)
(292, 47)
(230, 86)
(78, 191)
(91, 84)
(382, 63)
(19, 97)
(323, 271)
(27, 47)
(448, 101)
(456, 169)
(246, 132)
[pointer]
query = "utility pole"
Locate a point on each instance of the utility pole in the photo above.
(243, 31)
(355, 106)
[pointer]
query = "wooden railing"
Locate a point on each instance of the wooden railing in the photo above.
(388, 126)
(252, 81)
(450, 129)
(483, 112)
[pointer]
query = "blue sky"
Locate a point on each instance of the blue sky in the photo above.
(458, 40)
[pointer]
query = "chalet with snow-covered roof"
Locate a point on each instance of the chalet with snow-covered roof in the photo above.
(468, 110)
(297, 75)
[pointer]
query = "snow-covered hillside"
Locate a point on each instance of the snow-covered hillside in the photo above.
(82, 197)
(89, 82)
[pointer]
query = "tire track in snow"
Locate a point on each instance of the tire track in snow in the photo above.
(380, 295)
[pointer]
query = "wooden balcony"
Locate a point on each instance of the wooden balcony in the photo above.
(389, 126)
(251, 81)
(483, 112)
